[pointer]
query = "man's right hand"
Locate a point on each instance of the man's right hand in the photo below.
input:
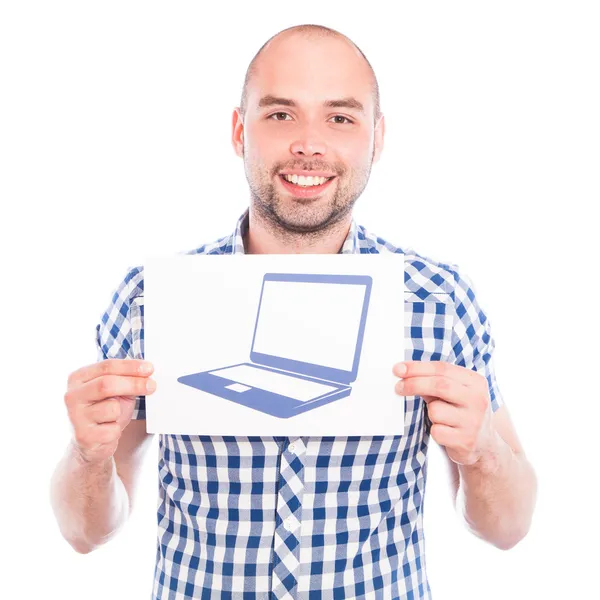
(100, 399)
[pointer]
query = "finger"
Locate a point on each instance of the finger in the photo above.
(111, 366)
(118, 409)
(433, 368)
(108, 386)
(106, 411)
(443, 413)
(445, 435)
(440, 387)
(95, 434)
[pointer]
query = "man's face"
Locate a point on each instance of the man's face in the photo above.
(290, 132)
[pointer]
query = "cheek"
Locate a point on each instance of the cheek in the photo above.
(357, 153)
(264, 138)
(264, 151)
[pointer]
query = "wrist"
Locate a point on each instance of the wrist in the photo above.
(492, 457)
(83, 461)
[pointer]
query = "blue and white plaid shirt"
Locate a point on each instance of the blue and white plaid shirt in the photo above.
(311, 518)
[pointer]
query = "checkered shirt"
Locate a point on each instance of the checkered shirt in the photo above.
(311, 518)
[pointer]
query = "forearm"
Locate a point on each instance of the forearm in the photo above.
(89, 500)
(497, 495)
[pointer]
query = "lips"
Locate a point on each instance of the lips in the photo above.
(300, 191)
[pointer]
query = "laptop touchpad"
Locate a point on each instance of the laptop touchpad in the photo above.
(238, 387)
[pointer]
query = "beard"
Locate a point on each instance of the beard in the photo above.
(288, 216)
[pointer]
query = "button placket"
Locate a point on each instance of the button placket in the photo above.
(286, 560)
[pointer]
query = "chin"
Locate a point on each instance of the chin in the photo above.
(307, 223)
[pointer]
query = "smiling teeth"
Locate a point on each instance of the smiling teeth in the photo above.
(305, 181)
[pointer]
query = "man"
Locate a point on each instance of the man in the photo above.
(302, 517)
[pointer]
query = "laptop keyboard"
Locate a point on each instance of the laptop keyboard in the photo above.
(277, 383)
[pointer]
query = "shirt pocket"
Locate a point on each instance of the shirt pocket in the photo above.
(428, 325)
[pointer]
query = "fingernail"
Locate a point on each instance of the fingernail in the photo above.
(145, 367)
(400, 369)
(150, 385)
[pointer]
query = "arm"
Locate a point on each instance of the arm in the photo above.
(93, 485)
(92, 501)
(495, 483)
(496, 496)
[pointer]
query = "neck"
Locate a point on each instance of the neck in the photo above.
(264, 238)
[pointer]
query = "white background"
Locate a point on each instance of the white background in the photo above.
(114, 142)
(190, 340)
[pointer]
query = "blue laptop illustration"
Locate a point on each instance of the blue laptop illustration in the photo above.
(305, 349)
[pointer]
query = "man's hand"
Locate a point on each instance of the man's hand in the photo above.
(100, 400)
(458, 404)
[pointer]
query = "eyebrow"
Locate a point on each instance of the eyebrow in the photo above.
(348, 102)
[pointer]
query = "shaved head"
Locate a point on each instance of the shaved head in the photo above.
(311, 32)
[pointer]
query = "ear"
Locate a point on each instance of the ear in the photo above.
(379, 136)
(237, 132)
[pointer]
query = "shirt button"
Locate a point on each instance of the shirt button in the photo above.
(291, 447)
(287, 524)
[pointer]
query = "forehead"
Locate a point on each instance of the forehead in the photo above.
(311, 70)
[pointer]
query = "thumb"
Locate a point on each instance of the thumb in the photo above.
(127, 405)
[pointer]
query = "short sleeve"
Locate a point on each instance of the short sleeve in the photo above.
(472, 341)
(120, 332)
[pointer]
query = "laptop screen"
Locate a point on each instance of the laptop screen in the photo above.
(317, 322)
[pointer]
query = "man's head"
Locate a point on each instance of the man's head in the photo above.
(310, 104)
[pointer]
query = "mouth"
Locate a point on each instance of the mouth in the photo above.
(306, 187)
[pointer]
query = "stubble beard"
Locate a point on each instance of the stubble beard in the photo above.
(291, 218)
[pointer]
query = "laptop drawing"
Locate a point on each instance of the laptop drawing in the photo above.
(305, 349)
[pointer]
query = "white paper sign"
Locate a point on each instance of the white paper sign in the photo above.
(290, 345)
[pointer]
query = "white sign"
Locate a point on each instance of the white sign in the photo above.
(271, 344)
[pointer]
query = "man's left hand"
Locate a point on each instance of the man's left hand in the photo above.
(458, 404)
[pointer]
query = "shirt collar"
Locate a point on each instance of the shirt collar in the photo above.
(350, 245)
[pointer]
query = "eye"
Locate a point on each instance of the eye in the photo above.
(342, 117)
(278, 114)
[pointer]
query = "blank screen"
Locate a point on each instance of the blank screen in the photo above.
(316, 323)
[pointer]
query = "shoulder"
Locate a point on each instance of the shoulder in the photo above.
(130, 286)
(425, 277)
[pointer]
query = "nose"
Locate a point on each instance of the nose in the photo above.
(308, 145)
